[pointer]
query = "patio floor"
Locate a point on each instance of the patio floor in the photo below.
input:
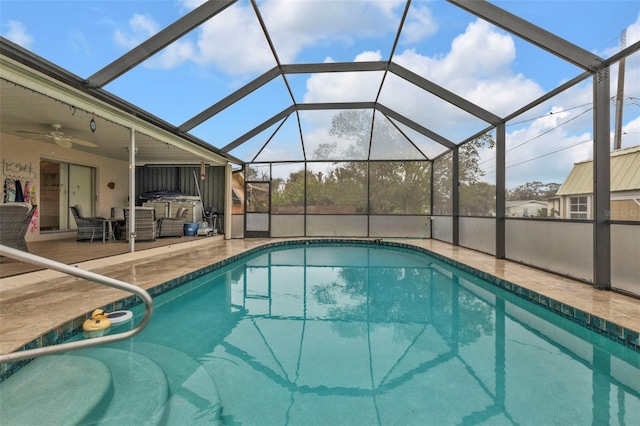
(32, 304)
(70, 251)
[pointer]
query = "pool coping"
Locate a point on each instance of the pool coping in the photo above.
(612, 331)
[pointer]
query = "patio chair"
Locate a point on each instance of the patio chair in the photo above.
(145, 223)
(89, 228)
(173, 226)
(14, 222)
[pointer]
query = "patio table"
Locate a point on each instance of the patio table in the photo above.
(107, 225)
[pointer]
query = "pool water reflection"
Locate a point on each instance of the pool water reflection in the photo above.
(338, 334)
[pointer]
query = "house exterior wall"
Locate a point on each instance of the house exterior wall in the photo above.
(525, 209)
(623, 207)
(21, 158)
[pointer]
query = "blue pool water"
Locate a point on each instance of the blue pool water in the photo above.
(372, 335)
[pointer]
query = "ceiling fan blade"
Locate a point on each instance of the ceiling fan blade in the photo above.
(42, 135)
(63, 143)
(83, 142)
(59, 137)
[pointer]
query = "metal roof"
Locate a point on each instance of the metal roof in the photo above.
(625, 174)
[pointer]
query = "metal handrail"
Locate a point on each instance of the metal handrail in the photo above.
(87, 275)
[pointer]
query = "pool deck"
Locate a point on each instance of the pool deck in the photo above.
(33, 304)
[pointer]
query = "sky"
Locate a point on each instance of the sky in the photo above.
(450, 47)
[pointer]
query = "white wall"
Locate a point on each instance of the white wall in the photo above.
(442, 228)
(336, 225)
(21, 157)
(562, 247)
(625, 258)
(399, 226)
(478, 233)
(287, 225)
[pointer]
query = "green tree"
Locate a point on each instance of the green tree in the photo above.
(396, 187)
(535, 190)
(477, 199)
(470, 172)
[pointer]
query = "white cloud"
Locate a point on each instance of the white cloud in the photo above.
(17, 33)
(189, 5)
(631, 133)
(79, 42)
(175, 54)
(233, 42)
(345, 86)
(295, 25)
(470, 71)
(488, 80)
(420, 25)
(478, 67)
(632, 36)
(140, 28)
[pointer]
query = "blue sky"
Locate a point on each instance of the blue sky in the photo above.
(439, 41)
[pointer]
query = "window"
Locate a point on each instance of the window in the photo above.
(579, 208)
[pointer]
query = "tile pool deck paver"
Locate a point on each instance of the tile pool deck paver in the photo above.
(33, 304)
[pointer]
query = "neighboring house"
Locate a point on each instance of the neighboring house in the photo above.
(526, 208)
(574, 199)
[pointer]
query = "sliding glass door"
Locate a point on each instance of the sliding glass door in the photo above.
(64, 185)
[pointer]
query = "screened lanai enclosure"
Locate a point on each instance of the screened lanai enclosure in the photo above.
(481, 124)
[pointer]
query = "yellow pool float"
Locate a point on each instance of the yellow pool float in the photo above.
(98, 321)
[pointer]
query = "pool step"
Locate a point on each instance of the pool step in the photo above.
(122, 383)
(140, 388)
(55, 390)
(194, 397)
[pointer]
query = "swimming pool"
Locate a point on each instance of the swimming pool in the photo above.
(363, 334)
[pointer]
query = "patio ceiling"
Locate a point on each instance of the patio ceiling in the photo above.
(433, 120)
(33, 106)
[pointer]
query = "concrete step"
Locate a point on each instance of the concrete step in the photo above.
(194, 397)
(55, 390)
(140, 388)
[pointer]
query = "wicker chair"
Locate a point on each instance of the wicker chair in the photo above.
(14, 222)
(145, 223)
(172, 226)
(89, 228)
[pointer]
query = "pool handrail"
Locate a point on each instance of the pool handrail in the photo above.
(87, 275)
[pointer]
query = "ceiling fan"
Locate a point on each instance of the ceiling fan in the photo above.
(57, 136)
